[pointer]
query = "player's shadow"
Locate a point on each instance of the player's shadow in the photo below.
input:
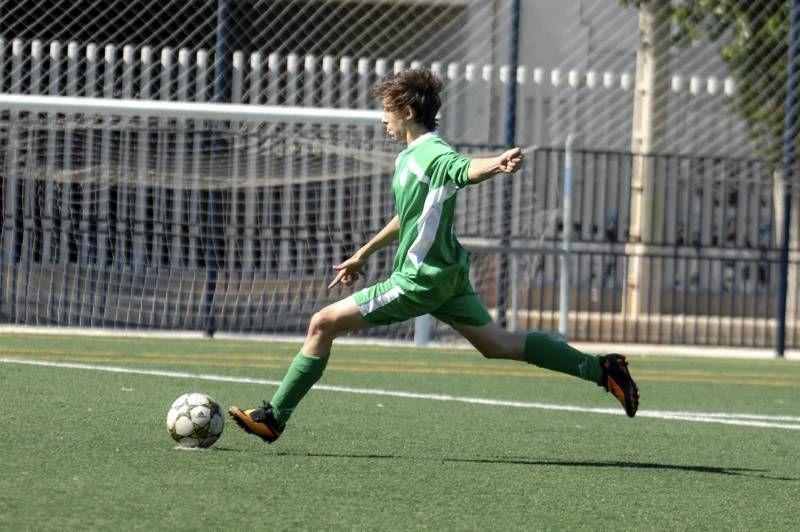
(620, 464)
(613, 464)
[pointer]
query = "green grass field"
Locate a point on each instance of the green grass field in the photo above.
(84, 448)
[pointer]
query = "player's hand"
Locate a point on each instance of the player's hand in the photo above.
(348, 272)
(511, 160)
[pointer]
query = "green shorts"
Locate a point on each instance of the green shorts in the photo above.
(396, 300)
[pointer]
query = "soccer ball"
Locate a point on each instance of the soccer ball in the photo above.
(195, 420)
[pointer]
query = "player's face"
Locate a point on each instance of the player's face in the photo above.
(395, 124)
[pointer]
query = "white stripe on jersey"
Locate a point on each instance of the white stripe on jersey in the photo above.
(428, 222)
(416, 169)
(384, 299)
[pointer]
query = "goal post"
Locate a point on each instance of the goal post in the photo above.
(187, 110)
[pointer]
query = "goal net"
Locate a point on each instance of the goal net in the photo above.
(190, 216)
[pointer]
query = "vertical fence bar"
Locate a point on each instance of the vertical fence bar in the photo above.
(195, 209)
(361, 208)
(345, 85)
(29, 240)
(140, 201)
(142, 152)
(251, 193)
(163, 151)
(324, 228)
(65, 304)
(285, 262)
(380, 163)
(565, 280)
(270, 233)
(789, 136)
(510, 140)
(48, 219)
(104, 196)
(198, 160)
(122, 256)
(308, 192)
(232, 229)
(177, 258)
(161, 260)
(177, 233)
(83, 294)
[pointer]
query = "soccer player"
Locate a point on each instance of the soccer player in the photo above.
(431, 270)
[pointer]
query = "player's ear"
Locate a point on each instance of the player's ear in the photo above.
(408, 113)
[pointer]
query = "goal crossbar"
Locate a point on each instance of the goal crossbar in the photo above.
(188, 110)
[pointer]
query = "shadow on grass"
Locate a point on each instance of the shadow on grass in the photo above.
(613, 464)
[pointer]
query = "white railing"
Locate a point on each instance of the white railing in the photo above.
(552, 102)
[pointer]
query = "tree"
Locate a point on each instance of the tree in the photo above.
(754, 38)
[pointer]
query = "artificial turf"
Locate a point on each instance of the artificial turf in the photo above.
(84, 448)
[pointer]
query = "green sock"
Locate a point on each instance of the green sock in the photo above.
(303, 372)
(546, 352)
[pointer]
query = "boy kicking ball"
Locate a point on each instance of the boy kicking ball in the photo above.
(430, 274)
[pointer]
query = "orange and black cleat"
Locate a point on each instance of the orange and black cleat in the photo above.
(618, 381)
(257, 421)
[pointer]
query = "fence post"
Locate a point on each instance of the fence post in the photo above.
(565, 279)
(789, 135)
(48, 222)
(510, 140)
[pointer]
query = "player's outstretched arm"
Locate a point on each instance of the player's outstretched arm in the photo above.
(349, 271)
(507, 162)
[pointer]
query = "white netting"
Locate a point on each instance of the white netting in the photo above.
(141, 221)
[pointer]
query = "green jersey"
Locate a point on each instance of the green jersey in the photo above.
(431, 270)
(426, 178)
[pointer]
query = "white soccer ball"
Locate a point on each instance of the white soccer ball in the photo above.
(195, 420)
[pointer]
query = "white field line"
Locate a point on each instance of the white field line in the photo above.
(588, 347)
(745, 420)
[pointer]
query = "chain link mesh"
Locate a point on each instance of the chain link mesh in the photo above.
(696, 88)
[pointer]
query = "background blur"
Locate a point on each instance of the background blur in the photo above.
(678, 171)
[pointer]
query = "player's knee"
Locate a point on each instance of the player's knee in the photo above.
(318, 324)
(322, 323)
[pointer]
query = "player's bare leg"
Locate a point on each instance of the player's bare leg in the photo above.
(492, 341)
(268, 421)
(608, 371)
(332, 321)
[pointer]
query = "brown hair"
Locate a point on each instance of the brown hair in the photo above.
(417, 88)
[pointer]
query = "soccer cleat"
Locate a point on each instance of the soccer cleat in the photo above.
(257, 421)
(618, 381)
